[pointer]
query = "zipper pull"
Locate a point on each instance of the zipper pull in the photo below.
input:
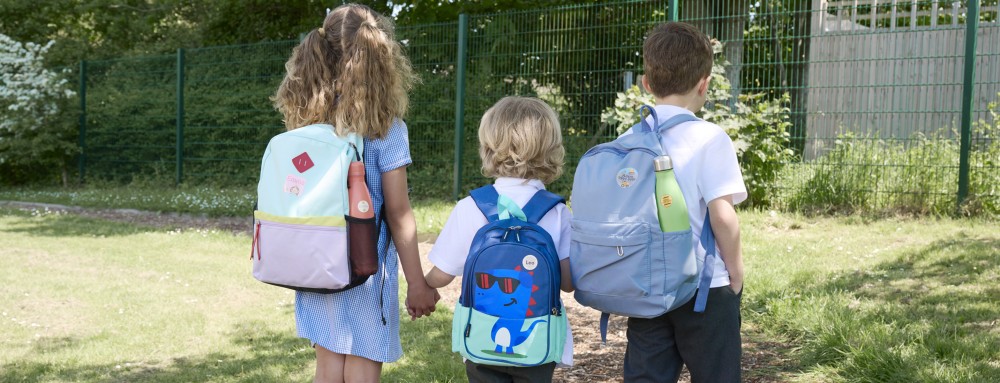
(257, 241)
(516, 230)
(253, 245)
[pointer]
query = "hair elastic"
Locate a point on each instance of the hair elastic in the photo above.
(321, 31)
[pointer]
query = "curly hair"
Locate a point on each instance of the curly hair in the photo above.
(520, 137)
(351, 73)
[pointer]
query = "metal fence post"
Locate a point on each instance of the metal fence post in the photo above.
(463, 30)
(83, 119)
(673, 11)
(968, 90)
(180, 115)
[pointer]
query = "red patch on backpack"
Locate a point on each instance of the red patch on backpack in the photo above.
(302, 162)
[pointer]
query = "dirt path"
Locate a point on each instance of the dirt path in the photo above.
(593, 362)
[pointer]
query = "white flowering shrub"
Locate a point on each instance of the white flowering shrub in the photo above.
(36, 135)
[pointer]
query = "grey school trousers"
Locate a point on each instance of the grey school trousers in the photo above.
(708, 343)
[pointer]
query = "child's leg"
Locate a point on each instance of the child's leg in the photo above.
(332, 367)
(329, 366)
(651, 354)
(710, 342)
(360, 370)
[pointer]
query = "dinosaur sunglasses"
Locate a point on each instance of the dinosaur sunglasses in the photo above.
(507, 284)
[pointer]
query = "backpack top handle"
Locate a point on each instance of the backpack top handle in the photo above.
(486, 200)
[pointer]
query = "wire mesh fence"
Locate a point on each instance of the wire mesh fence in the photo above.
(875, 92)
(130, 118)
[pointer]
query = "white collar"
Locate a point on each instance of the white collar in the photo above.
(512, 181)
(670, 110)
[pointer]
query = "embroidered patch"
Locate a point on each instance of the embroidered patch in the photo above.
(302, 162)
(530, 262)
(626, 177)
(295, 185)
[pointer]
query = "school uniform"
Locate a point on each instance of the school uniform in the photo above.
(364, 321)
(452, 247)
(709, 343)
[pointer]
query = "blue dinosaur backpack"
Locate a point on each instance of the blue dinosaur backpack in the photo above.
(621, 262)
(509, 312)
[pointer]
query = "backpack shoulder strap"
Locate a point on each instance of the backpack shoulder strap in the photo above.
(676, 120)
(708, 270)
(644, 126)
(486, 200)
(672, 122)
(540, 204)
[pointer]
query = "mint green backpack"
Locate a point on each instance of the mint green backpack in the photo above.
(300, 230)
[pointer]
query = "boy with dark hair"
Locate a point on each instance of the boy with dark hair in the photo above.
(678, 64)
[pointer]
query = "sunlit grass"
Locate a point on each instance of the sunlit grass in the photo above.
(835, 299)
(93, 301)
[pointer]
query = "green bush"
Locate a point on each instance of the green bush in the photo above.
(984, 160)
(916, 176)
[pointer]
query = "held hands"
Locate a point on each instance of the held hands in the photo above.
(420, 299)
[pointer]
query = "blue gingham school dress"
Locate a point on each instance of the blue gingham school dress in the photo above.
(363, 321)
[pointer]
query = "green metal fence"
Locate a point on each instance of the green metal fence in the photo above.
(129, 118)
(888, 100)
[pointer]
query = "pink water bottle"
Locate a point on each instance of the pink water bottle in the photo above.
(357, 192)
(362, 232)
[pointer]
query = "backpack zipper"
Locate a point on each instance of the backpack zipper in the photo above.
(617, 149)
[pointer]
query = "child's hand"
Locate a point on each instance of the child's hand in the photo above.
(420, 300)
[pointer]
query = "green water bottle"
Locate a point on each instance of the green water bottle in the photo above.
(670, 207)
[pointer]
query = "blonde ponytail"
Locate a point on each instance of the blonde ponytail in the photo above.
(306, 94)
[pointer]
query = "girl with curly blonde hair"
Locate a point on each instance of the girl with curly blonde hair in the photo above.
(352, 75)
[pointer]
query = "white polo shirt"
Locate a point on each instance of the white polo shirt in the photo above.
(703, 155)
(452, 246)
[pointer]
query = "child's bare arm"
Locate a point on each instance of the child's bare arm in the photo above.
(567, 277)
(420, 298)
(726, 226)
(437, 278)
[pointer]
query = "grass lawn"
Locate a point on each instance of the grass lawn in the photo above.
(93, 301)
(829, 299)
(875, 301)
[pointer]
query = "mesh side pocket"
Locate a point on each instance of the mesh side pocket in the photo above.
(362, 235)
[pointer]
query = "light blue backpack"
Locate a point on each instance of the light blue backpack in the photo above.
(300, 231)
(621, 262)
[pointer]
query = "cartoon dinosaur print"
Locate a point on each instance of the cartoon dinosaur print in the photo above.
(506, 294)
